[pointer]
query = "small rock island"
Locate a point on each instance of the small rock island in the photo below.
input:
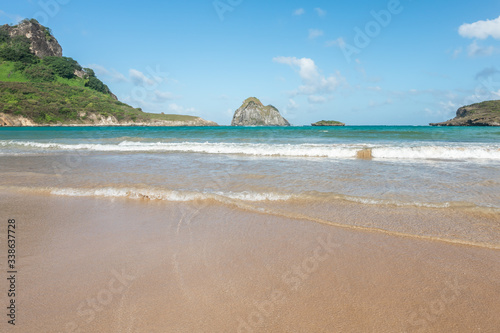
(253, 113)
(480, 114)
(328, 123)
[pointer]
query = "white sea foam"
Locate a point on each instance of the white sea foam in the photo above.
(380, 202)
(436, 151)
(225, 197)
(168, 195)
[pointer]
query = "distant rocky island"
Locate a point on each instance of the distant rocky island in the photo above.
(40, 87)
(253, 113)
(480, 114)
(328, 123)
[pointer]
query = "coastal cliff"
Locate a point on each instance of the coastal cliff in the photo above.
(253, 113)
(479, 114)
(93, 119)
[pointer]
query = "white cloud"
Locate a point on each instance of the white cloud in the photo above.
(292, 105)
(112, 74)
(315, 33)
(474, 50)
(163, 95)
(482, 92)
(299, 12)
(315, 99)
(487, 73)
(373, 104)
(179, 109)
(139, 79)
(337, 42)
(117, 76)
(13, 17)
(442, 111)
(98, 69)
(449, 105)
(313, 82)
(489, 80)
(457, 52)
(320, 12)
(481, 29)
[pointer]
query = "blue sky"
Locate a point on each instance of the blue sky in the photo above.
(360, 62)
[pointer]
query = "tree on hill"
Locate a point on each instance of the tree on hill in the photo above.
(97, 85)
(17, 49)
(4, 35)
(62, 66)
(89, 72)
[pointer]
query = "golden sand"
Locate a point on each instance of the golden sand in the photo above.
(102, 265)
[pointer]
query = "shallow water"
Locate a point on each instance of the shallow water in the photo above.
(449, 169)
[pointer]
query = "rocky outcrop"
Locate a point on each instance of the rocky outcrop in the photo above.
(93, 119)
(12, 120)
(328, 123)
(43, 44)
(479, 114)
(254, 113)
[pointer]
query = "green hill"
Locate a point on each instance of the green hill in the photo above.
(57, 103)
(38, 86)
(480, 114)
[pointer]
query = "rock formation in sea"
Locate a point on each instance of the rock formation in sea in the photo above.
(328, 123)
(480, 114)
(254, 113)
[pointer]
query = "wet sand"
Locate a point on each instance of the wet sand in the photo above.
(121, 265)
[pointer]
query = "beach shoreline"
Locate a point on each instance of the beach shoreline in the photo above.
(192, 267)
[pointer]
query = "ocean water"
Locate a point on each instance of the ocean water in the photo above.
(307, 170)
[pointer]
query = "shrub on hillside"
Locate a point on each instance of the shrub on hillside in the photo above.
(40, 73)
(63, 66)
(97, 85)
(4, 35)
(18, 49)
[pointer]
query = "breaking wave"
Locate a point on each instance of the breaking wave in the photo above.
(445, 151)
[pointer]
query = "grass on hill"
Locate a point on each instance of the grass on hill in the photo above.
(488, 106)
(75, 82)
(64, 101)
(8, 73)
(53, 103)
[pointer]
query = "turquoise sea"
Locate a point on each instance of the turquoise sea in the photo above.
(272, 135)
(408, 165)
(379, 177)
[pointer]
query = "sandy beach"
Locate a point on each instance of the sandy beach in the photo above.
(121, 265)
(249, 166)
